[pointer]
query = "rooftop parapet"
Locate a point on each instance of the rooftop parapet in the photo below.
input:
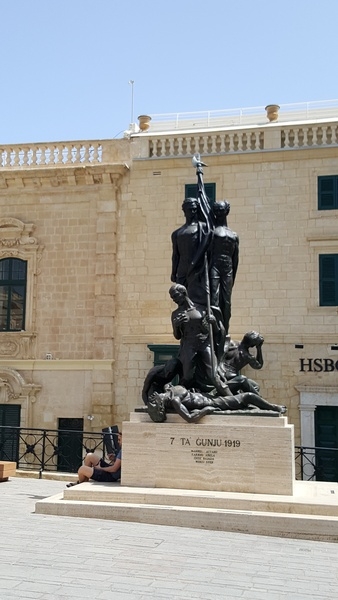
(289, 127)
(239, 117)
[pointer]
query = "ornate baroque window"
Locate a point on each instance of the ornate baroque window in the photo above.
(19, 257)
(13, 278)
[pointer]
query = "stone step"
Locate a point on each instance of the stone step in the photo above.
(325, 504)
(310, 513)
(267, 523)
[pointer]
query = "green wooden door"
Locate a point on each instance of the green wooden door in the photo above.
(70, 436)
(9, 438)
(326, 429)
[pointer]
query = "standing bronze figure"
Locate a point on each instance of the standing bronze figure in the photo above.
(196, 330)
(223, 261)
(190, 244)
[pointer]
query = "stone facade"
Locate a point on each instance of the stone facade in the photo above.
(66, 352)
(96, 233)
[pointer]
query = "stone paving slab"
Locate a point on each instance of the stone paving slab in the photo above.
(43, 557)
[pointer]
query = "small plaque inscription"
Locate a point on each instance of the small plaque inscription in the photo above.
(204, 457)
(204, 450)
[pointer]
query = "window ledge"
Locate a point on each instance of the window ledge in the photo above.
(323, 237)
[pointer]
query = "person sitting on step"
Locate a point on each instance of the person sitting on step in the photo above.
(97, 469)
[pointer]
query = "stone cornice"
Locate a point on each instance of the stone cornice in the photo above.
(58, 365)
(55, 177)
(317, 389)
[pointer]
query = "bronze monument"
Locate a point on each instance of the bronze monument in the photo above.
(205, 254)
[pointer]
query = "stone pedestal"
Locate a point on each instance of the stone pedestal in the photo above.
(235, 453)
(7, 469)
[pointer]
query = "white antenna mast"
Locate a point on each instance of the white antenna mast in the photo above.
(131, 82)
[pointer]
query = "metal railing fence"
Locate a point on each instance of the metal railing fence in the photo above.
(253, 115)
(47, 449)
(316, 463)
(64, 450)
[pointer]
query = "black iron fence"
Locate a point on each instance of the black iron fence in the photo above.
(64, 450)
(316, 463)
(46, 449)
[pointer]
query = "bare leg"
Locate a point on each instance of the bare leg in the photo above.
(85, 473)
(240, 382)
(86, 470)
(91, 459)
(250, 398)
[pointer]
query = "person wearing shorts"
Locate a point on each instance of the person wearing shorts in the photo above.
(97, 469)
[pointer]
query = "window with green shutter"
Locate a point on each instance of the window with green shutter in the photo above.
(13, 281)
(163, 352)
(328, 192)
(328, 279)
(210, 190)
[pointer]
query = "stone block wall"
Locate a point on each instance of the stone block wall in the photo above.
(73, 214)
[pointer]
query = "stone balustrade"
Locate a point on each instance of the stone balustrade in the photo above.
(62, 154)
(234, 140)
(207, 143)
(37, 155)
(240, 140)
(301, 136)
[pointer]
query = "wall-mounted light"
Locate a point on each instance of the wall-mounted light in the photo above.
(90, 417)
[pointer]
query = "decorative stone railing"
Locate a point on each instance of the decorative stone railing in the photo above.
(50, 155)
(229, 140)
(308, 136)
(239, 140)
(216, 143)
(59, 154)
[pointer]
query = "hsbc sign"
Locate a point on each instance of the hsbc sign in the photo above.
(318, 365)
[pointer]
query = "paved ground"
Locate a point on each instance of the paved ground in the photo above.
(60, 558)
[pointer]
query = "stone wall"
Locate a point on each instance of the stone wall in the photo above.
(70, 246)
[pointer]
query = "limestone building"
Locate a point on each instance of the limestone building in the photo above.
(86, 258)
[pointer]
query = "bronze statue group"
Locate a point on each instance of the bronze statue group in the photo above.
(204, 265)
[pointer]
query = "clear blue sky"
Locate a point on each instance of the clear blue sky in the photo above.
(66, 64)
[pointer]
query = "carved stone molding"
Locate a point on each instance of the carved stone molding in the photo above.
(13, 386)
(14, 233)
(17, 344)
